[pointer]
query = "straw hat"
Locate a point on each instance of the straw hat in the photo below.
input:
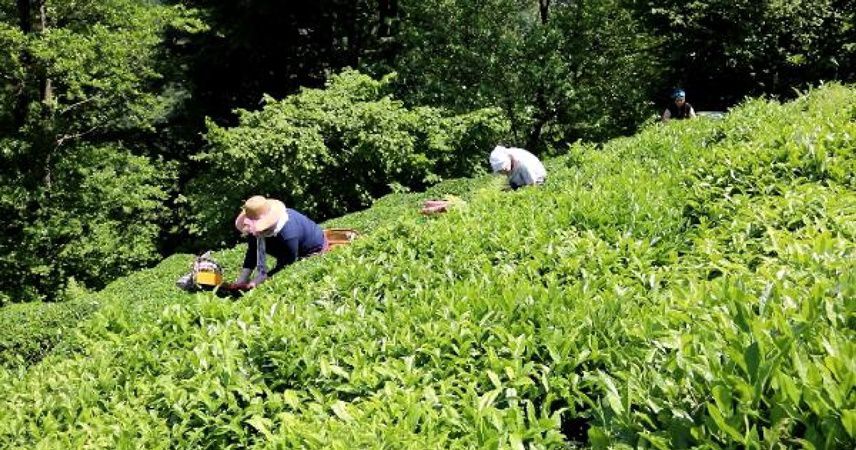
(260, 214)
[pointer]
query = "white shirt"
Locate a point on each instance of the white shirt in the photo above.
(527, 169)
(280, 223)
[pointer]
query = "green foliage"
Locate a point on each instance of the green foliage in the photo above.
(102, 61)
(349, 132)
(11, 45)
(692, 286)
(81, 82)
(569, 72)
(99, 221)
(31, 330)
(612, 68)
(108, 202)
(723, 51)
(139, 77)
(561, 70)
(391, 207)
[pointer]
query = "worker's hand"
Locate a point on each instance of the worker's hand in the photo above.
(244, 276)
(238, 287)
(256, 281)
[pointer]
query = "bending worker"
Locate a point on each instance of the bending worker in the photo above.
(521, 167)
(272, 229)
(679, 108)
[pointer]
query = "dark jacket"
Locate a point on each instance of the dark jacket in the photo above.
(299, 238)
(679, 113)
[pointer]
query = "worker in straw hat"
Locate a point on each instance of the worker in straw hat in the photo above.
(521, 167)
(272, 229)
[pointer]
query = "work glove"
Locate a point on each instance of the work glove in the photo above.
(434, 207)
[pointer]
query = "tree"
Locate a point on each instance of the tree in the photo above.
(260, 47)
(560, 70)
(80, 82)
(722, 51)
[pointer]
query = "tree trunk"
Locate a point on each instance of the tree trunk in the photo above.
(30, 24)
(349, 23)
(386, 29)
(32, 18)
(26, 23)
(25, 17)
(45, 86)
(383, 13)
(543, 115)
(387, 13)
(541, 118)
(544, 8)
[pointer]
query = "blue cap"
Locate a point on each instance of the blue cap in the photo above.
(679, 93)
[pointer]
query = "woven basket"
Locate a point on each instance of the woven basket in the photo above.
(340, 236)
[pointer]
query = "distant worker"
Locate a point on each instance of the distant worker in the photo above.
(521, 167)
(272, 229)
(679, 108)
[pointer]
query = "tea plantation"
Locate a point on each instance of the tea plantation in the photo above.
(691, 286)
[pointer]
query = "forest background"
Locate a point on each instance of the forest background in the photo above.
(130, 130)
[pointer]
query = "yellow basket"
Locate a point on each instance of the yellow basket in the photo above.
(209, 278)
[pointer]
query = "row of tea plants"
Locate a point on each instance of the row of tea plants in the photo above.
(692, 286)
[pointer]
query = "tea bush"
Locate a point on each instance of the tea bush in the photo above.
(29, 331)
(692, 286)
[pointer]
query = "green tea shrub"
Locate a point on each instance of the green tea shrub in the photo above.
(663, 291)
(28, 331)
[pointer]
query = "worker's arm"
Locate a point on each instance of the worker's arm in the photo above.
(244, 276)
(692, 112)
(667, 115)
(250, 258)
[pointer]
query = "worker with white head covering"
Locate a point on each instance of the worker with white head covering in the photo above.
(521, 167)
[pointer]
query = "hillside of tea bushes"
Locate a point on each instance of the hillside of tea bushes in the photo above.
(29, 331)
(691, 286)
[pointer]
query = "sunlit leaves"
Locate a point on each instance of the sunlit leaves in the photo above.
(81, 197)
(664, 291)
